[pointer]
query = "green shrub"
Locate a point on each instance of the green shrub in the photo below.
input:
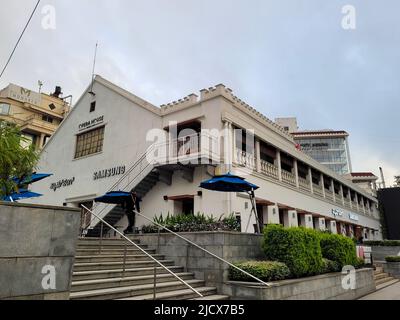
(339, 249)
(330, 266)
(298, 248)
(193, 223)
(263, 270)
(359, 263)
(393, 259)
(386, 243)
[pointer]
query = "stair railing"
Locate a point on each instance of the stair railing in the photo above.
(201, 248)
(129, 241)
(85, 228)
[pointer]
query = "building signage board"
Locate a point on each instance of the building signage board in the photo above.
(62, 184)
(337, 213)
(354, 217)
(108, 173)
(24, 95)
(91, 123)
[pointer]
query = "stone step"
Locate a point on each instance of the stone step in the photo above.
(89, 285)
(381, 276)
(213, 298)
(133, 291)
(378, 270)
(104, 274)
(387, 284)
(383, 280)
(96, 241)
(116, 258)
(96, 252)
(108, 246)
(118, 265)
(181, 294)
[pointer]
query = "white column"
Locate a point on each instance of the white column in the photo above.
(333, 191)
(310, 177)
(342, 194)
(351, 201)
(273, 215)
(358, 205)
(296, 173)
(258, 155)
(227, 148)
(307, 221)
(279, 164)
(323, 185)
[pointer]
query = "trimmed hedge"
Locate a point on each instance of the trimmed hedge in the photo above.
(298, 248)
(330, 266)
(264, 270)
(386, 243)
(393, 259)
(339, 249)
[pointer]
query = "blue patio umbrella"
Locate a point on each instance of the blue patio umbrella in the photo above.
(29, 179)
(228, 183)
(233, 183)
(21, 195)
(114, 197)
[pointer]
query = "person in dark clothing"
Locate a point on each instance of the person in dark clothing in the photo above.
(131, 205)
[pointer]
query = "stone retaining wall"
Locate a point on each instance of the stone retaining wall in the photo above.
(379, 254)
(323, 287)
(32, 237)
(231, 246)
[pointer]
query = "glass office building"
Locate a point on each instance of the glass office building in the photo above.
(330, 148)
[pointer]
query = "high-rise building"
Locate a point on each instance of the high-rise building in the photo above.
(329, 147)
(37, 114)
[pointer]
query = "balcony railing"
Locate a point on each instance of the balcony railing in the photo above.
(188, 149)
(329, 195)
(304, 184)
(288, 177)
(318, 190)
(245, 159)
(269, 169)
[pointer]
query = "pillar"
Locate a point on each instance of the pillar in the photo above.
(333, 190)
(310, 178)
(323, 185)
(296, 173)
(258, 156)
(279, 164)
(290, 219)
(332, 227)
(273, 215)
(307, 221)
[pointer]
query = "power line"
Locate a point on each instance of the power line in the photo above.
(19, 39)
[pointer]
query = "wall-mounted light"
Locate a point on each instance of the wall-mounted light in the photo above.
(165, 198)
(200, 193)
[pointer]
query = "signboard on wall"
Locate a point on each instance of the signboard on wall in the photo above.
(23, 95)
(91, 123)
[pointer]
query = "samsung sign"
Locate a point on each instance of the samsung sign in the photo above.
(354, 217)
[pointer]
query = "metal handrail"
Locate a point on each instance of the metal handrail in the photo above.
(204, 250)
(147, 254)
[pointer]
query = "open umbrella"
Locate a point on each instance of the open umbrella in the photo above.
(114, 197)
(34, 177)
(21, 195)
(232, 183)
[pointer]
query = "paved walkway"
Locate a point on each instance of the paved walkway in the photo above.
(389, 293)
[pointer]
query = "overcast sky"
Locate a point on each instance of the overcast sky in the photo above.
(285, 58)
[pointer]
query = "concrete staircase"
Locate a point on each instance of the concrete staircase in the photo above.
(142, 188)
(382, 279)
(99, 276)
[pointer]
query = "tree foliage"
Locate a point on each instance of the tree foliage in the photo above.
(15, 159)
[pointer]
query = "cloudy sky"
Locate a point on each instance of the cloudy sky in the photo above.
(283, 57)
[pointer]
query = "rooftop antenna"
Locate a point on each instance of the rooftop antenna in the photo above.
(94, 67)
(40, 84)
(383, 178)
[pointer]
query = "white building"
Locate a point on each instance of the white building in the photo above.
(104, 144)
